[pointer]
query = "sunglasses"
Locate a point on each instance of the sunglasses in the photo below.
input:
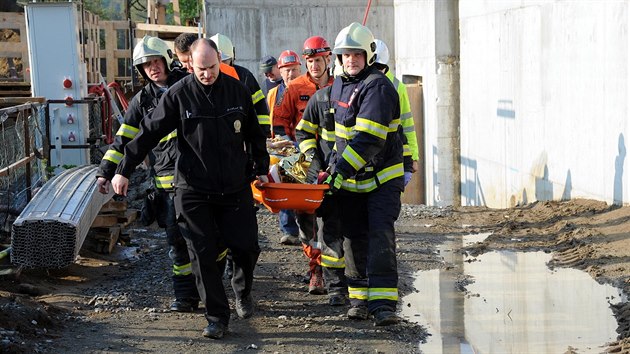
(310, 52)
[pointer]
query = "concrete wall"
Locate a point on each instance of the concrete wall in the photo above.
(261, 27)
(428, 46)
(544, 94)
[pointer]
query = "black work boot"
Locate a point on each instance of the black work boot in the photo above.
(215, 330)
(184, 305)
(385, 317)
(245, 307)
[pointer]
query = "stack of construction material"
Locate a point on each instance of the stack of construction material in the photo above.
(107, 228)
(51, 229)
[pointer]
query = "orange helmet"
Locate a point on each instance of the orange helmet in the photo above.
(315, 46)
(288, 57)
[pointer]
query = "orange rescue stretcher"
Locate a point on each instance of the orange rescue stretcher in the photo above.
(296, 196)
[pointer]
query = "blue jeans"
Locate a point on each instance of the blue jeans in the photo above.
(288, 225)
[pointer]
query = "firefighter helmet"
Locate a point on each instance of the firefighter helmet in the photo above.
(225, 46)
(315, 46)
(288, 57)
(382, 52)
(149, 48)
(356, 36)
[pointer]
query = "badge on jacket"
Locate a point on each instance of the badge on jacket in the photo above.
(237, 126)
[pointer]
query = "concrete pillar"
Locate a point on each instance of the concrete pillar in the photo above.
(447, 103)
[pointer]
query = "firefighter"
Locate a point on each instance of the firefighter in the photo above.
(212, 112)
(286, 117)
(406, 116)
(153, 60)
(227, 50)
(315, 134)
(290, 68)
(367, 175)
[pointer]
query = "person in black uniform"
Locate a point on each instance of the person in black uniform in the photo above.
(154, 61)
(221, 150)
(367, 169)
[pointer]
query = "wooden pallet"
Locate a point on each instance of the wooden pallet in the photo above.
(109, 225)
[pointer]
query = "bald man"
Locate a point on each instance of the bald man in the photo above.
(221, 150)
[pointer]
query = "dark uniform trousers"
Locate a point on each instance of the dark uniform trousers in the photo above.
(209, 223)
(370, 253)
(324, 227)
(183, 279)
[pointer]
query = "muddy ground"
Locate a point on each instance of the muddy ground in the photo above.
(116, 303)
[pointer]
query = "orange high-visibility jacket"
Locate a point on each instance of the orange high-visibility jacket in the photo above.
(289, 112)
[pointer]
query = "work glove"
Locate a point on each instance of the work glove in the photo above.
(334, 182)
(407, 177)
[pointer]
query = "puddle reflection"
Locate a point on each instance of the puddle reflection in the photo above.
(514, 305)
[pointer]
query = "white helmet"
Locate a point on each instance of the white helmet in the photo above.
(225, 46)
(356, 36)
(148, 49)
(382, 52)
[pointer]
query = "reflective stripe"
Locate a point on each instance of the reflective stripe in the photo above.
(371, 127)
(128, 131)
(257, 96)
(368, 185)
(307, 126)
(358, 293)
(383, 294)
(405, 117)
(172, 135)
(343, 131)
(222, 255)
(406, 150)
(164, 182)
(393, 125)
(328, 135)
(113, 156)
(264, 119)
(408, 130)
(354, 159)
(185, 269)
(332, 262)
(307, 145)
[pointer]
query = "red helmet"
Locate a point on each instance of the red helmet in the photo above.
(288, 57)
(315, 46)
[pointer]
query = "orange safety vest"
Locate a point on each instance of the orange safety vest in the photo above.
(228, 70)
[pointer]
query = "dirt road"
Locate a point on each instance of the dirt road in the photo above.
(117, 303)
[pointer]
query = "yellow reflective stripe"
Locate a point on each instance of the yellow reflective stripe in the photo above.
(383, 294)
(343, 131)
(257, 96)
(368, 185)
(264, 119)
(113, 156)
(390, 173)
(371, 127)
(393, 125)
(354, 159)
(172, 135)
(307, 126)
(184, 269)
(406, 150)
(128, 131)
(222, 254)
(333, 262)
(164, 182)
(358, 293)
(327, 135)
(307, 145)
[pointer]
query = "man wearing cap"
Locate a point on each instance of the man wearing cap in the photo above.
(269, 67)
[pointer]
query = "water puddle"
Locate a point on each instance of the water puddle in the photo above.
(513, 303)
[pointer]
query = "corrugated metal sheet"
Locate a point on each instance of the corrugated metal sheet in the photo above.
(50, 231)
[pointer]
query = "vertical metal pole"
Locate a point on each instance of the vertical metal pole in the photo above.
(27, 154)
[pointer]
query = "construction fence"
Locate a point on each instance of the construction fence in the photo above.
(22, 164)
